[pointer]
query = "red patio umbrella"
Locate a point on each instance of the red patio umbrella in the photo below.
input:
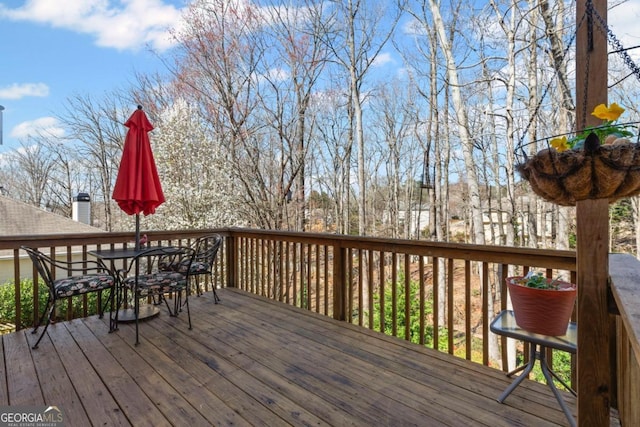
(137, 189)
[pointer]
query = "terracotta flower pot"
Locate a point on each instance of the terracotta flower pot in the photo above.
(542, 311)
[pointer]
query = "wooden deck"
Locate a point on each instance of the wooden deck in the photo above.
(250, 361)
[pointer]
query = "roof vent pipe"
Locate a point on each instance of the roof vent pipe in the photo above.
(82, 208)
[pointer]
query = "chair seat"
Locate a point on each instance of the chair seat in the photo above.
(77, 285)
(197, 267)
(157, 283)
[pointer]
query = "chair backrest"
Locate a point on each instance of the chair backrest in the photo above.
(42, 263)
(207, 248)
(163, 258)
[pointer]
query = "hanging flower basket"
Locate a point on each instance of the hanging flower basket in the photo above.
(600, 163)
(595, 172)
(542, 311)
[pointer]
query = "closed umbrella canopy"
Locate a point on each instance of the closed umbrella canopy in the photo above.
(138, 189)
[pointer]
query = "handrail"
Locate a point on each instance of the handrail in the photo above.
(544, 258)
(624, 272)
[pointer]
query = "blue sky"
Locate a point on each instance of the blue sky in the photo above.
(54, 49)
(51, 50)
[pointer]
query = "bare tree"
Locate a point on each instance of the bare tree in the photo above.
(27, 173)
(432, 129)
(394, 115)
(220, 67)
(96, 128)
(332, 155)
(300, 60)
(555, 32)
(68, 177)
(462, 123)
(358, 32)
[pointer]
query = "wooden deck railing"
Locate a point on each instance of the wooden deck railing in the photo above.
(624, 271)
(69, 247)
(452, 289)
(442, 295)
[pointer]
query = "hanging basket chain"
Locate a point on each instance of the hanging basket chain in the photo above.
(590, 15)
(521, 144)
(616, 44)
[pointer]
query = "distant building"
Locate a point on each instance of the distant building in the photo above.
(18, 218)
(417, 216)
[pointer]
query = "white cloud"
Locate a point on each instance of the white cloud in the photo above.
(623, 20)
(382, 59)
(21, 90)
(278, 74)
(413, 27)
(125, 24)
(42, 126)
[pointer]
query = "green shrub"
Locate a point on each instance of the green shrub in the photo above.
(8, 302)
(414, 313)
(561, 366)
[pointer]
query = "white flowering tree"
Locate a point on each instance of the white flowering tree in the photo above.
(195, 176)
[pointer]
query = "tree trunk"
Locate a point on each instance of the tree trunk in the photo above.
(465, 137)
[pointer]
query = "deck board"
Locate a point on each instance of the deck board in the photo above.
(413, 378)
(4, 399)
(249, 361)
(23, 387)
(56, 376)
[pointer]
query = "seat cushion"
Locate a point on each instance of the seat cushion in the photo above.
(197, 267)
(160, 282)
(77, 285)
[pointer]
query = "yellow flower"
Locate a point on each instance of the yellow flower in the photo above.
(560, 144)
(610, 113)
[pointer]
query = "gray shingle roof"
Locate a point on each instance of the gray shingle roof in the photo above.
(17, 218)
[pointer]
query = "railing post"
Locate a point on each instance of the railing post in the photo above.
(232, 267)
(339, 282)
(16, 280)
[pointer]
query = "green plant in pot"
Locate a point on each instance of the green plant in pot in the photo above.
(542, 305)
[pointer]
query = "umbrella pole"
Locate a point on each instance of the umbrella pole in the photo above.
(137, 232)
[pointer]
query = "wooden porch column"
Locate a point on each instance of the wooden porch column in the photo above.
(594, 381)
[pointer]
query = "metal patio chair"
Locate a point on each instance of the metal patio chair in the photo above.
(206, 248)
(73, 278)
